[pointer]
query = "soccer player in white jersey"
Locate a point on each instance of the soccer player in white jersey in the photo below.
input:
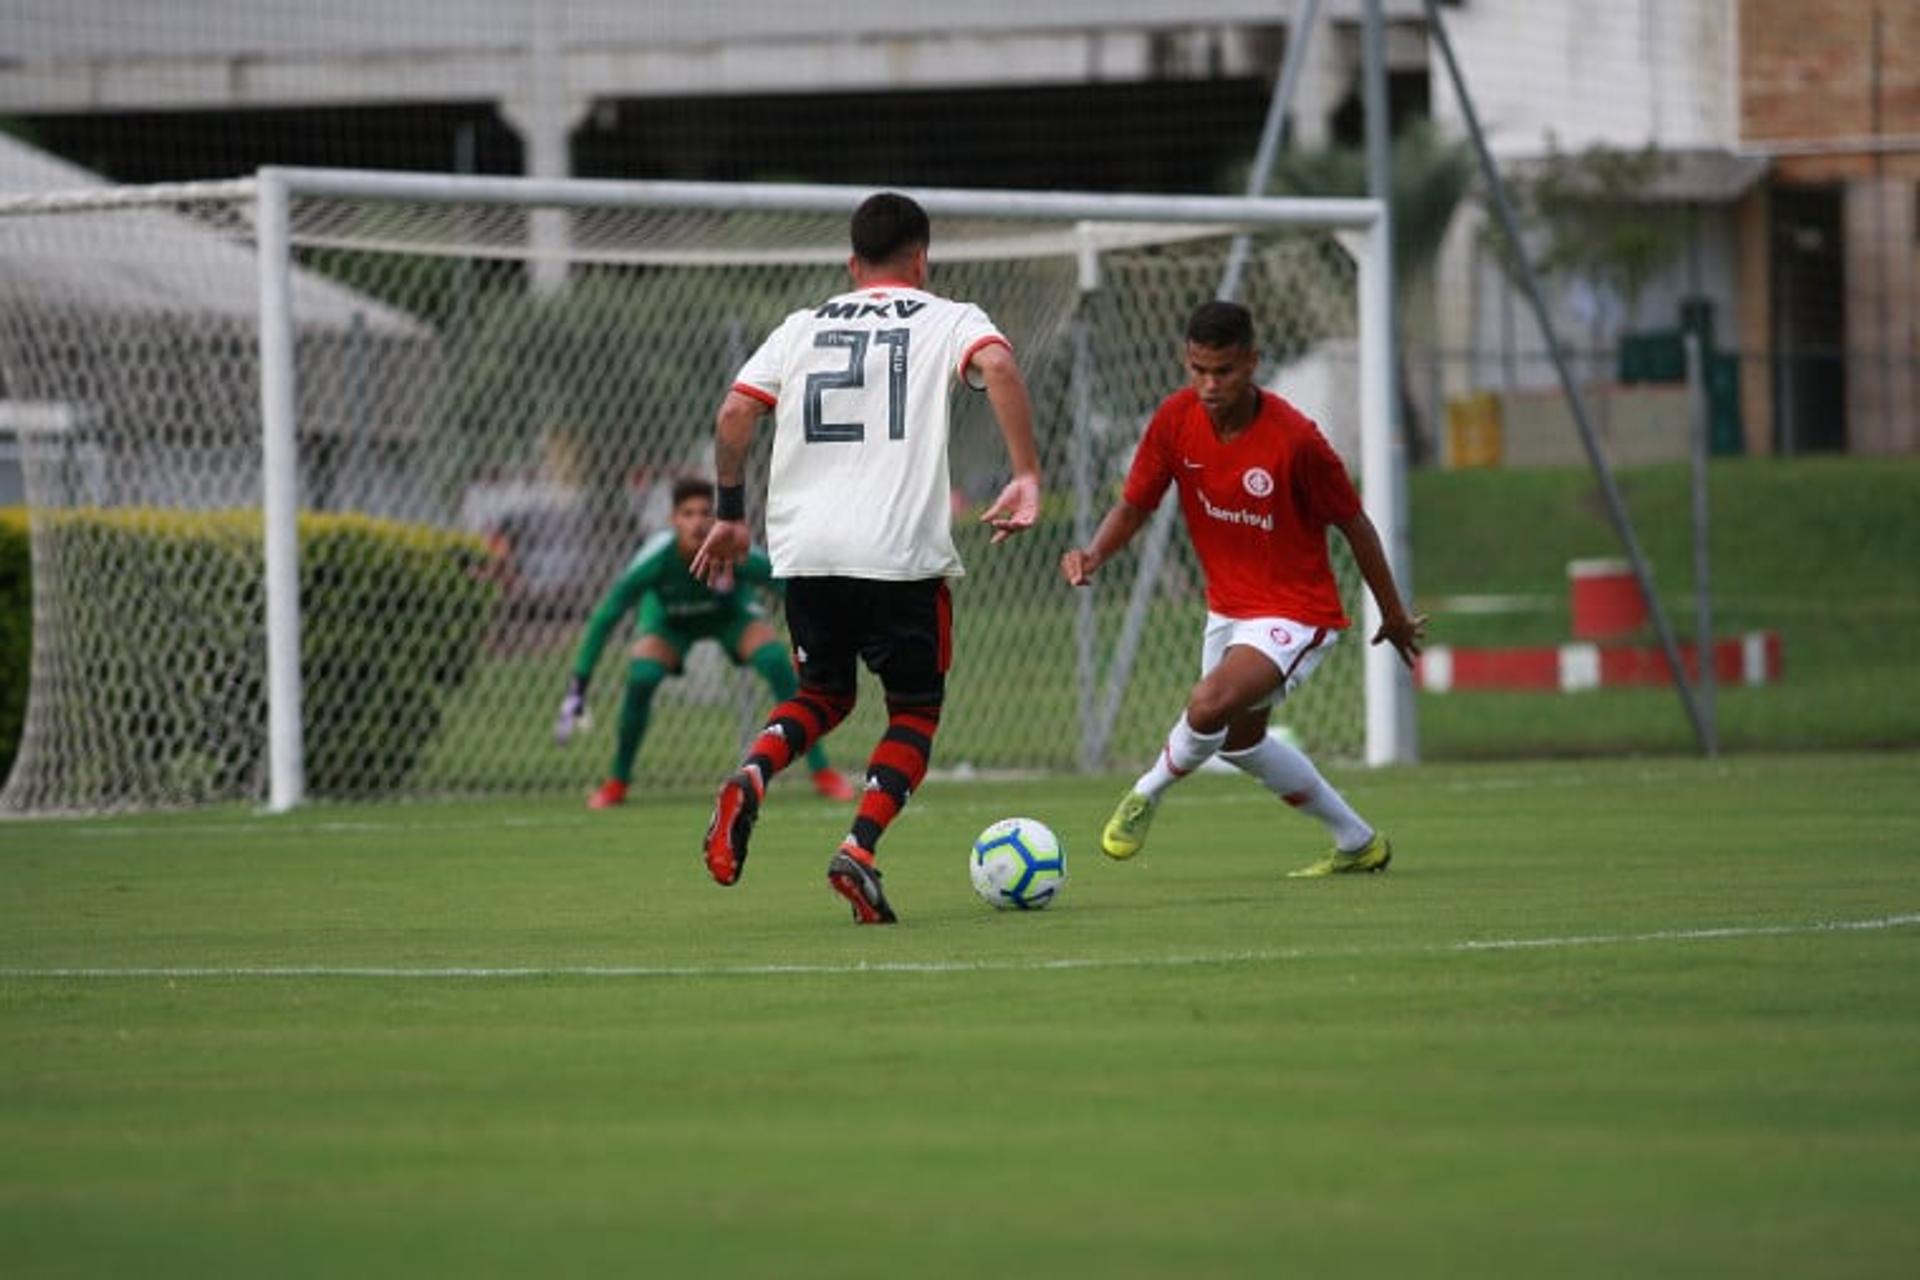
(1259, 486)
(859, 521)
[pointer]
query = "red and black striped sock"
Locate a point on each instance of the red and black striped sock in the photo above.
(792, 727)
(897, 766)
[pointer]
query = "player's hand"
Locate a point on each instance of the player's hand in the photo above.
(574, 715)
(1017, 507)
(726, 546)
(1076, 566)
(1405, 633)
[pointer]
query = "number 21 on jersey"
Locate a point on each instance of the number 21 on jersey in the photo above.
(853, 377)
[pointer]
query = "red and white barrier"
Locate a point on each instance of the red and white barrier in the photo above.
(1753, 658)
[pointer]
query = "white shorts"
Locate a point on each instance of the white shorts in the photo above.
(1294, 648)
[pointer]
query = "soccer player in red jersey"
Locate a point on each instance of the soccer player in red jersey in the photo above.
(1259, 485)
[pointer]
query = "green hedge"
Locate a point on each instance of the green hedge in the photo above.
(16, 630)
(164, 621)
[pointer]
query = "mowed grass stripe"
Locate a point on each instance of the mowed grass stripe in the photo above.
(1715, 934)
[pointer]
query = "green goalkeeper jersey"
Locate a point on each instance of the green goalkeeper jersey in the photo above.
(665, 598)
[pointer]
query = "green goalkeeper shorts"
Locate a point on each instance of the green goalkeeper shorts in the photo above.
(724, 625)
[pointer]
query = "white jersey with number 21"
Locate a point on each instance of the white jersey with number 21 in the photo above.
(859, 388)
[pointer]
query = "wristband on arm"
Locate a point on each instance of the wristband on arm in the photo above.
(731, 504)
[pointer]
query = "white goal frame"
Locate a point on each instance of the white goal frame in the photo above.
(1362, 223)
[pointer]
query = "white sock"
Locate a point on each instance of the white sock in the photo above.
(1287, 772)
(1184, 752)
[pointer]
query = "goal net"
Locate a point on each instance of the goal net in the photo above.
(492, 385)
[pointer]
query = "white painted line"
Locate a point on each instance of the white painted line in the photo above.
(1494, 604)
(1579, 667)
(1753, 658)
(1223, 958)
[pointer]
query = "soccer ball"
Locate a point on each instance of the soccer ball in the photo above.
(1018, 865)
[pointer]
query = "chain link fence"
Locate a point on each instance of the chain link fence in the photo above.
(493, 403)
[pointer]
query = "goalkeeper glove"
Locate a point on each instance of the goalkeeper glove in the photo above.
(574, 715)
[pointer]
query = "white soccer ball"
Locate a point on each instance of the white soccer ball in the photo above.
(1018, 865)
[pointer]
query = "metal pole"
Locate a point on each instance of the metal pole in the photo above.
(1702, 556)
(1389, 692)
(1883, 252)
(280, 500)
(1262, 172)
(1602, 470)
(1153, 549)
(1085, 628)
(1385, 469)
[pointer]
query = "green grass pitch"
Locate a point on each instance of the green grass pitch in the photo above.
(1628, 1017)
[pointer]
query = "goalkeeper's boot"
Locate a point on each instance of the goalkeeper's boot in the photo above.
(1126, 831)
(833, 784)
(1374, 855)
(855, 878)
(612, 794)
(734, 812)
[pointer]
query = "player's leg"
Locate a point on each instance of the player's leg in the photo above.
(1287, 771)
(1233, 679)
(758, 647)
(818, 617)
(909, 645)
(654, 657)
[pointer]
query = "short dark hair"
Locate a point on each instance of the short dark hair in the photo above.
(691, 487)
(1220, 324)
(888, 224)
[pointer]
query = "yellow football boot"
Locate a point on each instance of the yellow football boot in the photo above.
(1374, 855)
(1126, 831)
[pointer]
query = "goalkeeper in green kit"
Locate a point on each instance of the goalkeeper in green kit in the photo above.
(673, 611)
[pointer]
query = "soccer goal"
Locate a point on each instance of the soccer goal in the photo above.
(326, 469)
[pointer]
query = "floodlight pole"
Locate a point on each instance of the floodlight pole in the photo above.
(1701, 414)
(1602, 470)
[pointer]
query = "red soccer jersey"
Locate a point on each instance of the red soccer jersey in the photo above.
(1257, 506)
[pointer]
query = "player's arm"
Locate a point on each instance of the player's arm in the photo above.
(1398, 627)
(613, 606)
(1018, 505)
(1148, 478)
(1115, 532)
(728, 541)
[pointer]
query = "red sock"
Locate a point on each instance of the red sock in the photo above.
(897, 766)
(792, 727)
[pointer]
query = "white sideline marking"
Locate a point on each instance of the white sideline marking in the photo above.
(970, 966)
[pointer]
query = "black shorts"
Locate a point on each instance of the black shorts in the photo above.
(903, 631)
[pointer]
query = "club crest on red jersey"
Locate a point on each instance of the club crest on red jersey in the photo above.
(1257, 481)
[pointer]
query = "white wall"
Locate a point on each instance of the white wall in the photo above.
(1620, 72)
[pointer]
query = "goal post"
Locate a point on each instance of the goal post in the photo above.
(426, 362)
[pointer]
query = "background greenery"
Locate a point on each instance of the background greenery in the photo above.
(187, 721)
(1826, 551)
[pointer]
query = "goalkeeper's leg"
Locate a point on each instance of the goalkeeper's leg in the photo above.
(643, 681)
(653, 661)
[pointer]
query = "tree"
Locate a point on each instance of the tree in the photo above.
(1587, 211)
